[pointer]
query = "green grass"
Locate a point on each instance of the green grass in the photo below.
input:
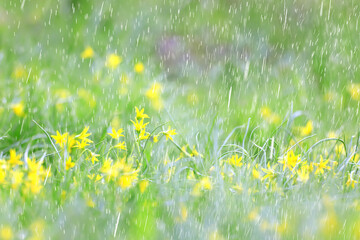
(237, 78)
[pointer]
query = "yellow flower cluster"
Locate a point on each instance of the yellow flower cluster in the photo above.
(28, 176)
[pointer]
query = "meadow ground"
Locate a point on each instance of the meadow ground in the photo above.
(191, 119)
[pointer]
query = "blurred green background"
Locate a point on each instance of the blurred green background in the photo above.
(220, 64)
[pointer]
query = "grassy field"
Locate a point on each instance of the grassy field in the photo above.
(179, 119)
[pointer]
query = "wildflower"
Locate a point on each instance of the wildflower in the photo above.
(154, 91)
(121, 146)
(321, 166)
(82, 144)
(235, 161)
(255, 173)
(14, 159)
(254, 215)
(33, 184)
(305, 131)
(355, 158)
(94, 177)
(37, 229)
(2, 177)
(6, 233)
(290, 160)
(269, 172)
(60, 139)
(84, 135)
(192, 98)
(269, 116)
(195, 153)
(153, 94)
(340, 150)
(127, 180)
(139, 67)
(238, 187)
(32, 165)
(115, 134)
(69, 164)
(329, 224)
(87, 53)
(93, 157)
(143, 184)
(17, 178)
(143, 135)
(332, 134)
(183, 213)
(351, 181)
(19, 72)
(169, 133)
(139, 125)
(354, 90)
(303, 174)
(89, 202)
(140, 113)
(18, 109)
(203, 184)
(113, 61)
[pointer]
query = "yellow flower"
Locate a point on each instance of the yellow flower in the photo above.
(115, 134)
(93, 157)
(32, 165)
(235, 161)
(2, 176)
(290, 160)
(14, 159)
(6, 233)
(332, 134)
(169, 133)
(121, 146)
(127, 180)
(139, 125)
(143, 135)
(203, 184)
(60, 139)
(140, 113)
(18, 109)
(19, 72)
(321, 166)
(17, 178)
(154, 91)
(33, 184)
(139, 67)
(269, 116)
(81, 145)
(143, 184)
(351, 181)
(69, 164)
(256, 173)
(192, 98)
(303, 174)
(305, 131)
(95, 178)
(37, 229)
(113, 61)
(153, 94)
(354, 90)
(87, 53)
(195, 153)
(84, 135)
(238, 187)
(269, 172)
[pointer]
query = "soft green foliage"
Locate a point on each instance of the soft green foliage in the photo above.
(179, 119)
